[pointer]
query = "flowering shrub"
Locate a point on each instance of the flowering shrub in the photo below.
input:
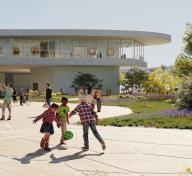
(174, 113)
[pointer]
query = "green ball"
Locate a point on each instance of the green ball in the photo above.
(68, 135)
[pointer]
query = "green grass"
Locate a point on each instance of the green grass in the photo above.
(140, 116)
(141, 105)
(158, 122)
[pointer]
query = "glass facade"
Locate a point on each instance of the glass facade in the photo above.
(71, 48)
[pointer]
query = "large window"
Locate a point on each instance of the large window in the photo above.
(71, 48)
(66, 48)
(78, 49)
(51, 48)
(17, 47)
(91, 46)
(16, 51)
(44, 49)
(32, 48)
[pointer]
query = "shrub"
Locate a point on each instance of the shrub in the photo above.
(184, 94)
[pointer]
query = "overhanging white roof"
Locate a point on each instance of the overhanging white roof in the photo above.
(147, 38)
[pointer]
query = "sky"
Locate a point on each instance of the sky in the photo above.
(165, 16)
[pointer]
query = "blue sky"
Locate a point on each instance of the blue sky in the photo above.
(166, 16)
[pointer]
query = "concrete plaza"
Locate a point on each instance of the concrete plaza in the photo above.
(130, 151)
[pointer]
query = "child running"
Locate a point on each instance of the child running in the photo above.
(88, 119)
(62, 117)
(48, 116)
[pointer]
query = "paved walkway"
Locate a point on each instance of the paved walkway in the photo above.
(130, 151)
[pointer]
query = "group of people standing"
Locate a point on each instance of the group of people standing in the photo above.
(93, 96)
(8, 92)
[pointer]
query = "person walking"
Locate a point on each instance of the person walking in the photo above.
(14, 93)
(21, 95)
(8, 92)
(48, 94)
(97, 97)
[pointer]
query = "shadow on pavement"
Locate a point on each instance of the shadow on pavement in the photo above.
(30, 156)
(75, 156)
(38, 153)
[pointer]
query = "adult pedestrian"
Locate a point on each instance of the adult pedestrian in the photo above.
(8, 92)
(21, 95)
(48, 94)
(14, 93)
(97, 97)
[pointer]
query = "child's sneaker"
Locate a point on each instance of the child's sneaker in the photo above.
(47, 147)
(85, 148)
(103, 145)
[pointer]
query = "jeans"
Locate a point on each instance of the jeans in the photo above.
(86, 126)
(98, 104)
(48, 100)
(8, 105)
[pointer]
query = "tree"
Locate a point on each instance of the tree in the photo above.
(184, 94)
(160, 82)
(85, 81)
(188, 40)
(133, 80)
(183, 66)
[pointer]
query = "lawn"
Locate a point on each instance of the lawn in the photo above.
(158, 122)
(145, 113)
(139, 105)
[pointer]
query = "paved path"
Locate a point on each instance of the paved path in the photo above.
(130, 151)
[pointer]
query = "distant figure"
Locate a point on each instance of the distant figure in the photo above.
(97, 97)
(89, 98)
(26, 95)
(100, 55)
(124, 56)
(1, 91)
(14, 93)
(8, 92)
(48, 94)
(61, 91)
(21, 95)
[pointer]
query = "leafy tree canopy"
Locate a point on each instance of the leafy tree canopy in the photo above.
(133, 80)
(85, 81)
(183, 66)
(160, 82)
(184, 94)
(188, 40)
